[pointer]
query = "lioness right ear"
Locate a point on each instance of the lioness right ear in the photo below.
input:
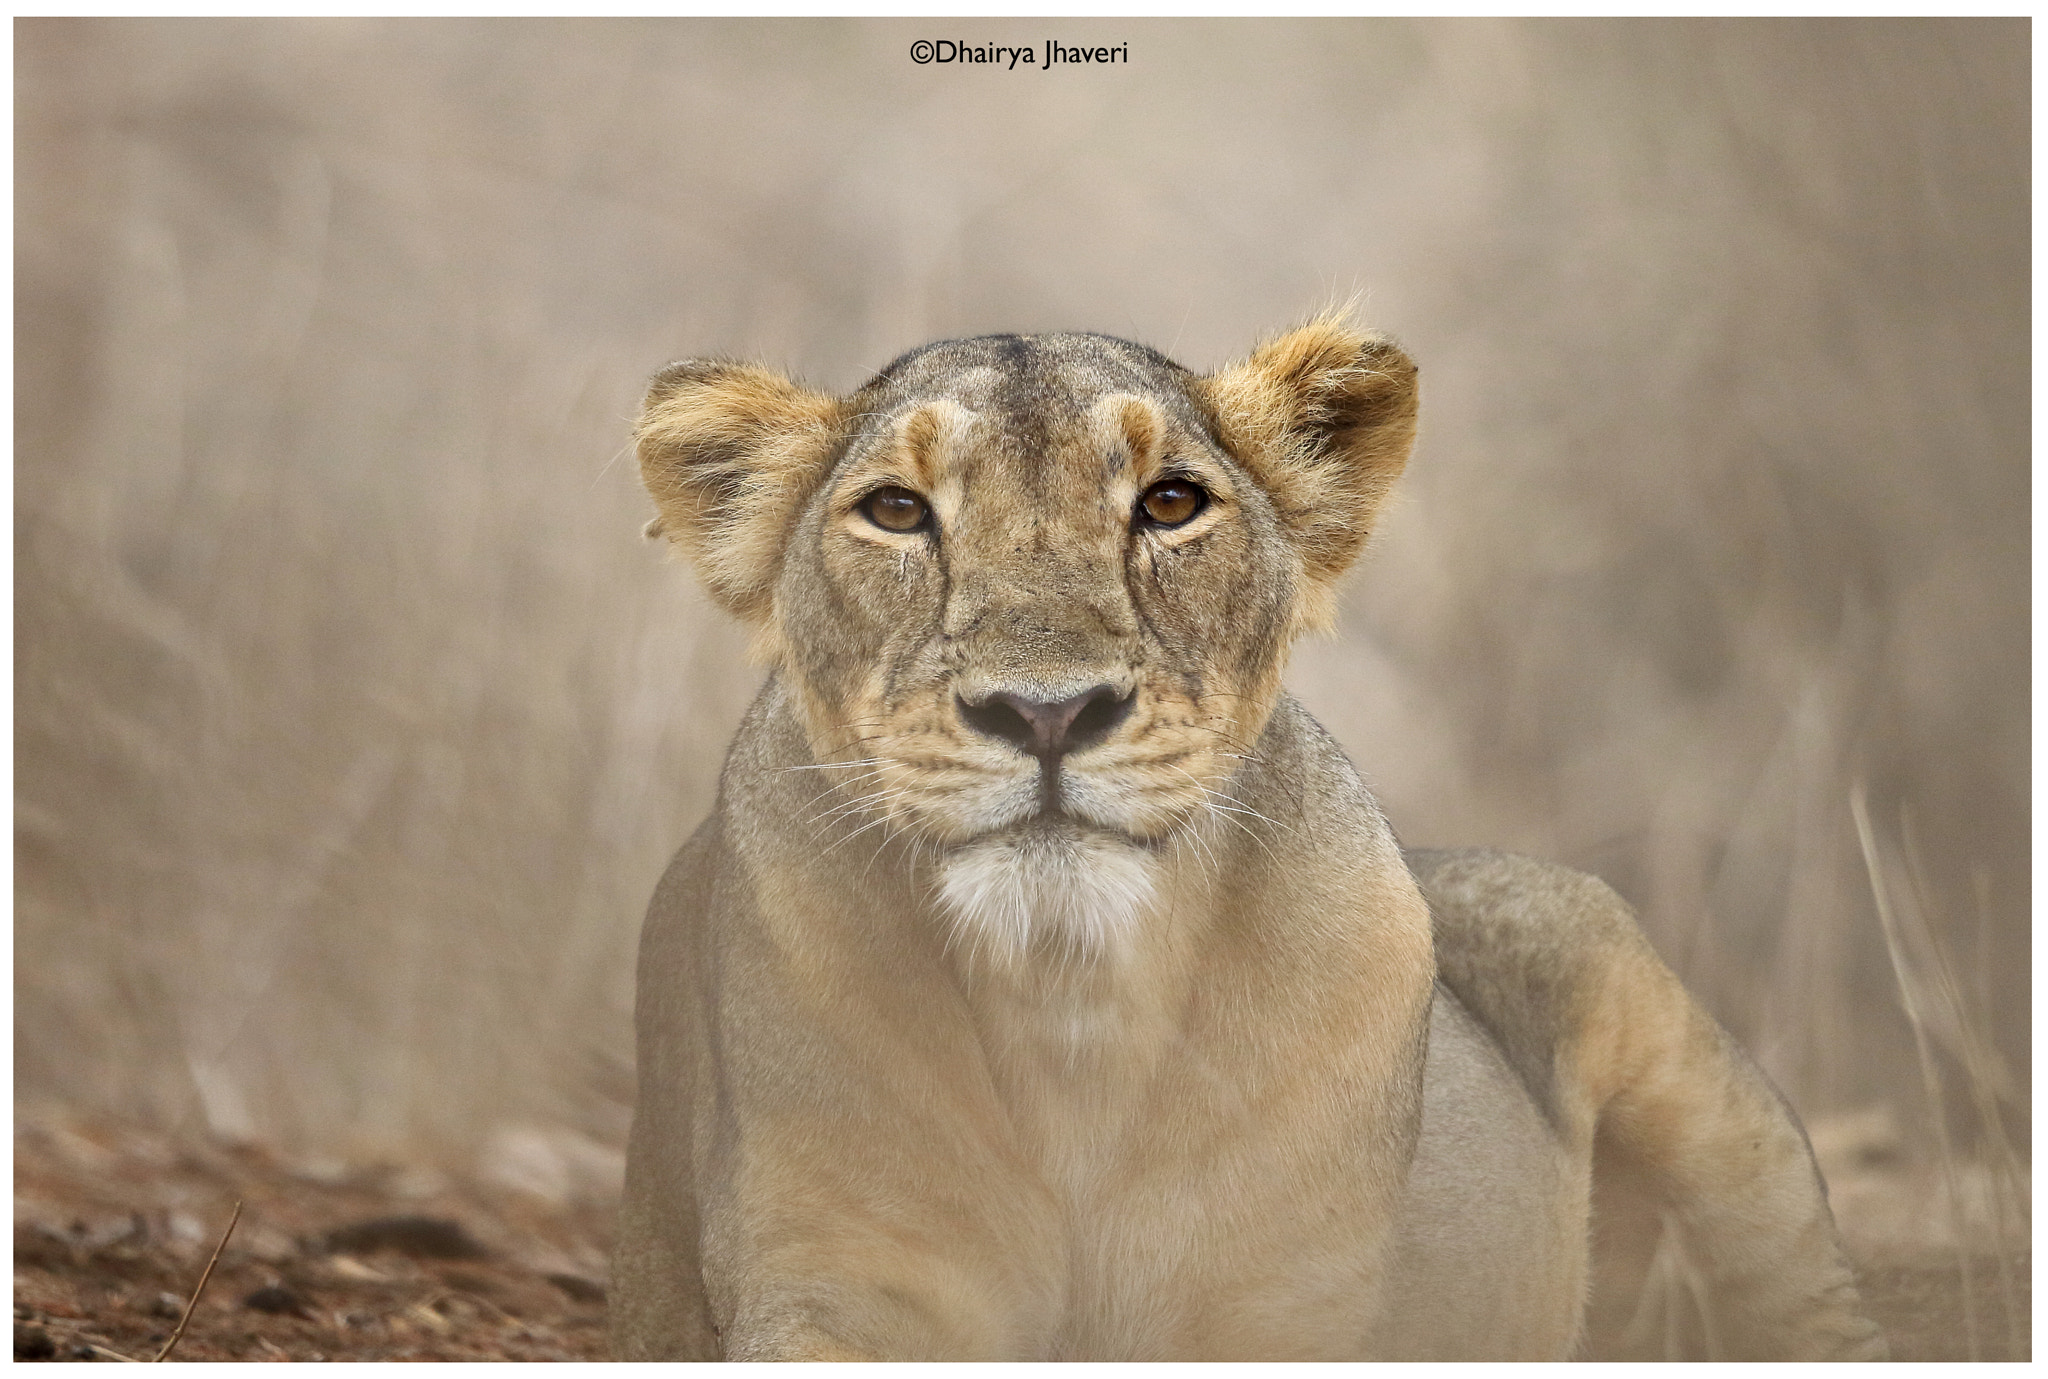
(729, 453)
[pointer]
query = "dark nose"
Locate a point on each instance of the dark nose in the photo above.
(1049, 729)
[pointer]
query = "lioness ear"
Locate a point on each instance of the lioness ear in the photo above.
(1324, 417)
(729, 452)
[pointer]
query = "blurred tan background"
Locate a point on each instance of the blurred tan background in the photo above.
(354, 722)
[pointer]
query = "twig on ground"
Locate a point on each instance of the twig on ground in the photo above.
(194, 1300)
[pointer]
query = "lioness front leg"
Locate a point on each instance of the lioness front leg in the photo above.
(865, 1321)
(813, 1174)
(801, 1264)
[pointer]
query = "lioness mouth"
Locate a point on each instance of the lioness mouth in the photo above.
(1047, 877)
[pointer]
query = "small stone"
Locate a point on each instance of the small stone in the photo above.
(578, 1288)
(33, 1343)
(278, 1301)
(424, 1237)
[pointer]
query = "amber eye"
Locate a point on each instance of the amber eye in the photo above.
(1172, 502)
(895, 509)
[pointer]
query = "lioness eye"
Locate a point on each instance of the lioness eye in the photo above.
(1172, 502)
(895, 509)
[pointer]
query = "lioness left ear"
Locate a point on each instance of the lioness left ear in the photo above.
(1324, 417)
(729, 453)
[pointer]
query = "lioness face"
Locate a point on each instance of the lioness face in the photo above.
(1034, 594)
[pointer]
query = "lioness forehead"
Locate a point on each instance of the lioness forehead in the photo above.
(1027, 376)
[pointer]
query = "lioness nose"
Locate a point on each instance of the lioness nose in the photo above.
(1052, 728)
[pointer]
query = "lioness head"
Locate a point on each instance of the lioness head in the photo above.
(1033, 594)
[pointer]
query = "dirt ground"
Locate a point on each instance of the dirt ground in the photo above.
(113, 1227)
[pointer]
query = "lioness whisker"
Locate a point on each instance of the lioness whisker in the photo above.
(837, 790)
(1247, 750)
(876, 822)
(860, 803)
(1212, 801)
(1236, 806)
(830, 765)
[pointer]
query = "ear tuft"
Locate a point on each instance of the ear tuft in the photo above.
(729, 452)
(1324, 417)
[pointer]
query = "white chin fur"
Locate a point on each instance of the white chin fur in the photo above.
(1079, 892)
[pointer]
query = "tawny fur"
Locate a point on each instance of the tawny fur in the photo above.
(1169, 1053)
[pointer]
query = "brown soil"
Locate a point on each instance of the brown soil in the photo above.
(113, 1227)
(112, 1230)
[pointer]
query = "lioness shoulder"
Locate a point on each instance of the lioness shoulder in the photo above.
(1047, 986)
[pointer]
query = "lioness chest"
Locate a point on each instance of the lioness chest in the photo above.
(1206, 1206)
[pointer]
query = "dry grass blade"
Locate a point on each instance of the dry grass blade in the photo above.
(1930, 1078)
(1670, 1306)
(2011, 1204)
(1986, 1078)
(111, 1354)
(193, 1301)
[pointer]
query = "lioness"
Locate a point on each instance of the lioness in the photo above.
(1045, 984)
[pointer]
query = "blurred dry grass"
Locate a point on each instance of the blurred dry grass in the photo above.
(354, 723)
